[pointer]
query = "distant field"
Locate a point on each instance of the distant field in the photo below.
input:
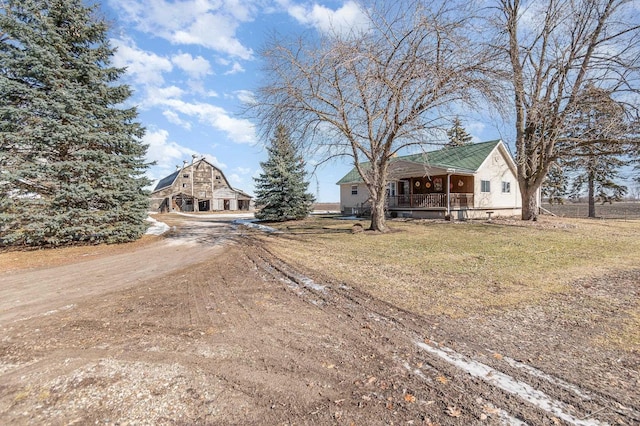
(333, 207)
(621, 210)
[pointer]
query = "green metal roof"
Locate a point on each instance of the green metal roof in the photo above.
(466, 157)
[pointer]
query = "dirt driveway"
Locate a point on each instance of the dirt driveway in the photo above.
(207, 327)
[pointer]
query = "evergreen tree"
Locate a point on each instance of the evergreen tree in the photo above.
(554, 187)
(71, 159)
(596, 153)
(281, 189)
(458, 135)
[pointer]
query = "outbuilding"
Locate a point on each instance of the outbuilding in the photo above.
(199, 186)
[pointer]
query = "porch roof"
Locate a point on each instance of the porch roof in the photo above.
(466, 158)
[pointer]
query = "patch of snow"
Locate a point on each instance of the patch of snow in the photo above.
(217, 215)
(156, 228)
(541, 374)
(509, 384)
(250, 223)
(507, 418)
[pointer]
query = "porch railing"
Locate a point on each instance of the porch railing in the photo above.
(431, 200)
(462, 200)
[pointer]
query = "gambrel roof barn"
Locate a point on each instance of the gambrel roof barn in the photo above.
(199, 186)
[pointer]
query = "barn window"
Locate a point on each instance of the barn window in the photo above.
(218, 177)
(485, 186)
(354, 189)
(184, 185)
(186, 176)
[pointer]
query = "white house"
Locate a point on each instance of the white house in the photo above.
(464, 182)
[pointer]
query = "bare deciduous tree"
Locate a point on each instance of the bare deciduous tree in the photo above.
(377, 90)
(555, 49)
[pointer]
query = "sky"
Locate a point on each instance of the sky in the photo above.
(192, 64)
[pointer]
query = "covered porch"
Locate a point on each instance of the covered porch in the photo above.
(443, 191)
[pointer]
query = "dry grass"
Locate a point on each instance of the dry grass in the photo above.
(462, 269)
(49, 257)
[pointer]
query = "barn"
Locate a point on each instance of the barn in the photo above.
(199, 186)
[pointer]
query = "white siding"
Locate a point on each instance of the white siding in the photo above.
(348, 201)
(496, 170)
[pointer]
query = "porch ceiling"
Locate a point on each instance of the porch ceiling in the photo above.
(406, 169)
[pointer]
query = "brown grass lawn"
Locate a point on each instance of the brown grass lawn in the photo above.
(463, 269)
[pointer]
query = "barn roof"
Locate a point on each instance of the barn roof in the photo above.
(167, 181)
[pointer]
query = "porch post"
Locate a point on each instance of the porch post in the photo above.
(411, 193)
(449, 171)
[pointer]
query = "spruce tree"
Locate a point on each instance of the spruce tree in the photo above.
(596, 153)
(71, 158)
(555, 185)
(458, 136)
(281, 189)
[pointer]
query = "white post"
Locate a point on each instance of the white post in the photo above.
(449, 172)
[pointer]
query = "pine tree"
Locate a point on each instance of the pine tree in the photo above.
(554, 187)
(596, 152)
(71, 158)
(458, 136)
(281, 189)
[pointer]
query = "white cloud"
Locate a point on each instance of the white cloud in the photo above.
(238, 130)
(174, 118)
(243, 170)
(214, 160)
(245, 96)
(235, 69)
(235, 180)
(196, 67)
(144, 67)
(165, 153)
(208, 23)
(348, 17)
(160, 95)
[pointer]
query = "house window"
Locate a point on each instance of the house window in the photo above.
(354, 189)
(506, 187)
(186, 176)
(485, 186)
(391, 189)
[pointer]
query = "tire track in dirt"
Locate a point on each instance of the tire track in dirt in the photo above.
(24, 294)
(571, 404)
(242, 338)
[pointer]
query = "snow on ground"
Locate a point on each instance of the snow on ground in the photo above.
(250, 223)
(156, 228)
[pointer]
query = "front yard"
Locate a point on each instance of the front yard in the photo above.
(464, 269)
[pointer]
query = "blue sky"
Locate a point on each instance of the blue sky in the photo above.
(191, 63)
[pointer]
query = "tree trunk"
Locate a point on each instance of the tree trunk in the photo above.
(378, 220)
(591, 195)
(529, 202)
